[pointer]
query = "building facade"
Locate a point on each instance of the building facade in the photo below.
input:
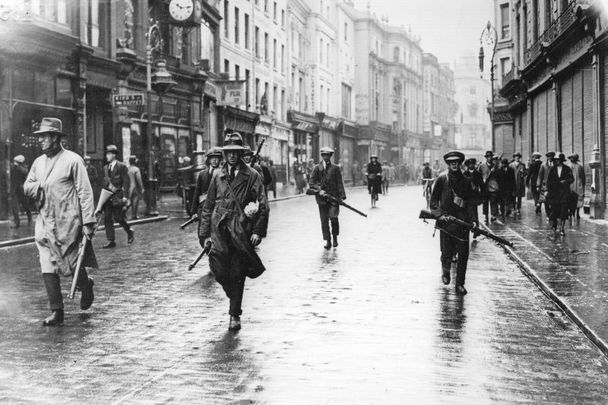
(555, 90)
(68, 59)
(472, 120)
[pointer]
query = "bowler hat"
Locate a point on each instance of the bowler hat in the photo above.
(326, 150)
(453, 155)
(112, 149)
(550, 155)
(489, 154)
(233, 141)
(517, 154)
(505, 161)
(561, 157)
(50, 126)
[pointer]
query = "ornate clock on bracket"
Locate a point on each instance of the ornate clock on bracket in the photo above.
(185, 12)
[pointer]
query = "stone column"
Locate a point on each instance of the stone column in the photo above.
(597, 202)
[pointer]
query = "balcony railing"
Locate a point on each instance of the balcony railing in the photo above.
(565, 20)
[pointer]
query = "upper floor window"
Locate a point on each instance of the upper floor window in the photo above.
(505, 24)
(51, 10)
(396, 54)
(97, 23)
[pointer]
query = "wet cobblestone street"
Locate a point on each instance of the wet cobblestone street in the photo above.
(368, 322)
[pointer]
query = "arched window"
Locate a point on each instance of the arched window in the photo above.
(396, 54)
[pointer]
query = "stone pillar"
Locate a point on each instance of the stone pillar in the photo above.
(597, 202)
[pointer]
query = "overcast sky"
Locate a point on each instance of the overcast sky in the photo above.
(447, 28)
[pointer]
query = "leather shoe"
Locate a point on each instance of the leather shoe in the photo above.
(327, 245)
(460, 290)
(131, 237)
(109, 245)
(87, 296)
(55, 319)
(335, 241)
(235, 323)
(445, 279)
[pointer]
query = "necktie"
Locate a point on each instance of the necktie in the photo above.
(232, 172)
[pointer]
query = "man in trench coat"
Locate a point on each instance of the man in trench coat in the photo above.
(559, 179)
(59, 184)
(234, 220)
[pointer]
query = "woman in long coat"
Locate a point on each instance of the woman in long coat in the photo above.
(558, 192)
(577, 186)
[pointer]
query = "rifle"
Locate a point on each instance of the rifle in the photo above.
(205, 251)
(333, 199)
(425, 214)
(192, 220)
(256, 157)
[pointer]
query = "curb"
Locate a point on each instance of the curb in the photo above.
(557, 300)
(30, 239)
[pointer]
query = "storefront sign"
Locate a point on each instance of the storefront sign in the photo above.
(211, 90)
(128, 99)
(233, 93)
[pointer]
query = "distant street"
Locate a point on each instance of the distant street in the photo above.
(368, 322)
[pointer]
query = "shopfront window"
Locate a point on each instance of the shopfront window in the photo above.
(44, 88)
(63, 92)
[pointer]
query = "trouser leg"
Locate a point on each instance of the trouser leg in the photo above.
(119, 216)
(53, 290)
(334, 211)
(486, 203)
(463, 258)
(15, 208)
(494, 204)
(447, 246)
(519, 202)
(135, 205)
(324, 215)
(109, 222)
(236, 298)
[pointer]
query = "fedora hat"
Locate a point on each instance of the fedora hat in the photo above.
(326, 150)
(233, 141)
(50, 125)
(112, 149)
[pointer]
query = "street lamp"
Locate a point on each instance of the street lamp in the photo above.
(489, 37)
(161, 81)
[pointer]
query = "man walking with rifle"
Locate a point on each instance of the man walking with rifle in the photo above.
(59, 184)
(234, 220)
(452, 198)
(326, 181)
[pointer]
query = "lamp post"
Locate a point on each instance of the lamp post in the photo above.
(200, 79)
(161, 81)
(489, 37)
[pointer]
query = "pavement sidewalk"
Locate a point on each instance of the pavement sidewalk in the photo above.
(571, 270)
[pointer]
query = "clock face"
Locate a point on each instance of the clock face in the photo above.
(180, 10)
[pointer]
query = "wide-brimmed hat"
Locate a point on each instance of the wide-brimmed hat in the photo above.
(489, 154)
(453, 155)
(504, 161)
(574, 157)
(517, 154)
(561, 157)
(550, 155)
(112, 149)
(373, 156)
(470, 161)
(326, 150)
(50, 126)
(19, 159)
(233, 141)
(536, 154)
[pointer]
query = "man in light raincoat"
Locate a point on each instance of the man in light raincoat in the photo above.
(59, 184)
(234, 219)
